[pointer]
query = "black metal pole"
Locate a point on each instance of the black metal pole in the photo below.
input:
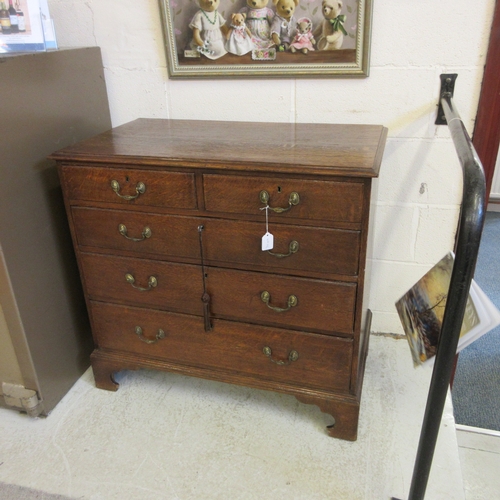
(469, 235)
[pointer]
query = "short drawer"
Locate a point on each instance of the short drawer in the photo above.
(323, 306)
(130, 187)
(317, 200)
(299, 358)
(290, 302)
(176, 287)
(231, 242)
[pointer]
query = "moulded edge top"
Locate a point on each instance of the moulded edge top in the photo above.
(320, 149)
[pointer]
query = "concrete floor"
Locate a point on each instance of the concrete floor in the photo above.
(165, 436)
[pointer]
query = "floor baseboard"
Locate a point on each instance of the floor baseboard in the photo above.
(477, 430)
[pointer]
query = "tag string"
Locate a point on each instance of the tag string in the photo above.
(266, 208)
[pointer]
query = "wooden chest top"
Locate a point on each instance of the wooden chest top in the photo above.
(317, 149)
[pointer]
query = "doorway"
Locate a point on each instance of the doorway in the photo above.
(474, 385)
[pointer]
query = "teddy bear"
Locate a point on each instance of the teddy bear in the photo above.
(330, 33)
(304, 38)
(208, 29)
(284, 24)
(259, 19)
(239, 37)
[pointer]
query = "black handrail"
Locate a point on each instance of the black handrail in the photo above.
(470, 227)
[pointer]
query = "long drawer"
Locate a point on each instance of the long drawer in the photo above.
(225, 241)
(130, 187)
(318, 305)
(317, 200)
(306, 359)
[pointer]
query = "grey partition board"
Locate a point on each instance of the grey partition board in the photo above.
(49, 100)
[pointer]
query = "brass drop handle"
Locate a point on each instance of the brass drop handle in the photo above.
(266, 297)
(292, 356)
(152, 282)
(293, 247)
(146, 233)
(160, 335)
(293, 199)
(140, 188)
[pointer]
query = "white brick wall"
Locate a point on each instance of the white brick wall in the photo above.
(412, 44)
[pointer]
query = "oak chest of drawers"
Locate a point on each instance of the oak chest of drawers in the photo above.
(167, 219)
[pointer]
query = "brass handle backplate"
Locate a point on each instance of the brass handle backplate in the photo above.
(293, 247)
(140, 188)
(160, 335)
(292, 356)
(265, 296)
(293, 199)
(152, 283)
(146, 233)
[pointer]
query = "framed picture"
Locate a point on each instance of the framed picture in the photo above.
(267, 38)
(21, 27)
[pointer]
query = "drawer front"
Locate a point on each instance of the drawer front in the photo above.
(323, 362)
(318, 200)
(323, 306)
(233, 242)
(178, 286)
(138, 232)
(124, 186)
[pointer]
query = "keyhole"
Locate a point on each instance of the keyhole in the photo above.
(126, 178)
(279, 189)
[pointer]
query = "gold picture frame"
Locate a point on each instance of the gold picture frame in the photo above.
(186, 59)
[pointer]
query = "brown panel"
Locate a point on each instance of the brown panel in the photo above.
(179, 286)
(321, 250)
(323, 362)
(170, 236)
(322, 305)
(228, 241)
(162, 189)
(319, 200)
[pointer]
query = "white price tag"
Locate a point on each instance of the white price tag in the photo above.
(267, 241)
(268, 238)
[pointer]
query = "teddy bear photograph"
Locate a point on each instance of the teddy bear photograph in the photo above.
(267, 37)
